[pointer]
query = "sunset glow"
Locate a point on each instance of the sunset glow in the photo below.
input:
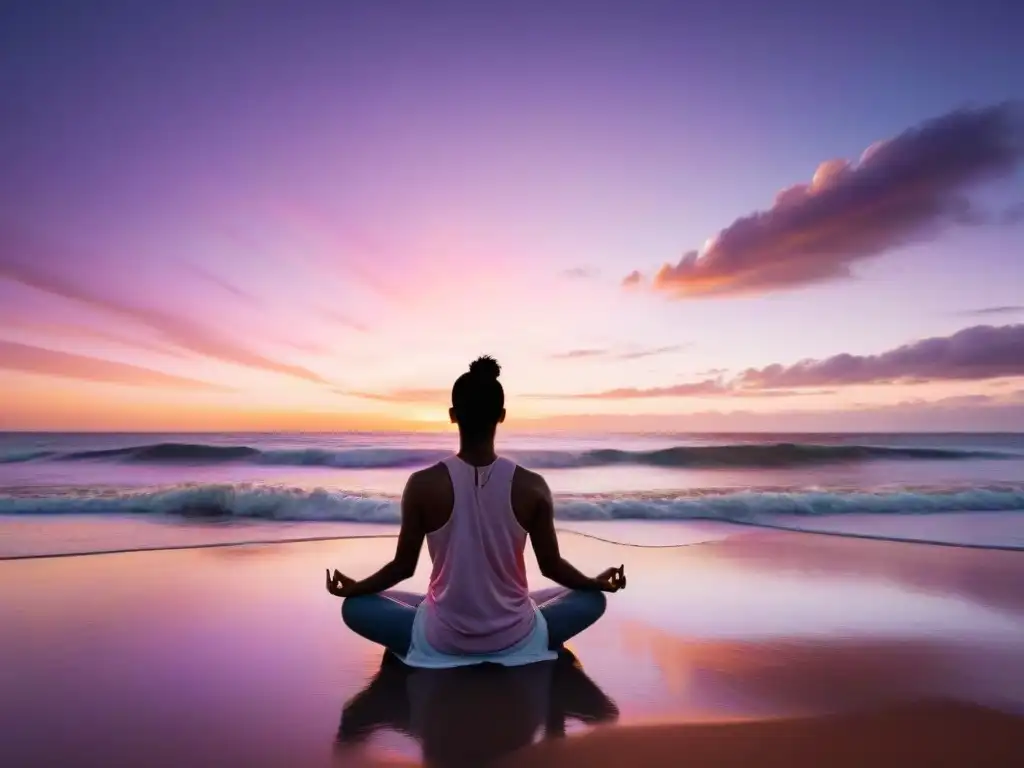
(198, 235)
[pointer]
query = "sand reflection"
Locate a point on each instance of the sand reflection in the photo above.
(471, 716)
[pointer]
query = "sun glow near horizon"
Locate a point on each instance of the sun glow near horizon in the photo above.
(326, 246)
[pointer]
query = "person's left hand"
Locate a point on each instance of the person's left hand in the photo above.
(339, 583)
(612, 579)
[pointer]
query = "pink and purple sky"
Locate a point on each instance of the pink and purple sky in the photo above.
(657, 216)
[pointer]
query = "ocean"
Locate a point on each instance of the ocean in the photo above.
(63, 493)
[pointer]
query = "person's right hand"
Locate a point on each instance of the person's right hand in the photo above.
(338, 583)
(612, 579)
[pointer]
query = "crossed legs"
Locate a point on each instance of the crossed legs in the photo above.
(386, 619)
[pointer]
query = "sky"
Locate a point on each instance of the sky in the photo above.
(656, 215)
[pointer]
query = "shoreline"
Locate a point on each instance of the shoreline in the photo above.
(25, 539)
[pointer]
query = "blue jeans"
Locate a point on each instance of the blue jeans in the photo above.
(387, 618)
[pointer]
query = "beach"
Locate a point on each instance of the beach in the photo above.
(792, 600)
(723, 296)
(776, 648)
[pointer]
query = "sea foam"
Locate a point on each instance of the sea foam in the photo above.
(273, 502)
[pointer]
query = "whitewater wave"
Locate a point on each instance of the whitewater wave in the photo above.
(770, 455)
(267, 502)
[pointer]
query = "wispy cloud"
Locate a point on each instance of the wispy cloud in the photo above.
(636, 354)
(33, 359)
(706, 388)
(634, 278)
(949, 414)
(1009, 309)
(412, 395)
(249, 299)
(782, 392)
(305, 347)
(977, 353)
(339, 252)
(613, 354)
(183, 332)
(225, 285)
(341, 318)
(907, 188)
(580, 273)
(579, 354)
(66, 331)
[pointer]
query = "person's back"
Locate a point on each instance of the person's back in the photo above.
(478, 600)
(476, 511)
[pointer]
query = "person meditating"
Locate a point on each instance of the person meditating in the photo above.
(475, 509)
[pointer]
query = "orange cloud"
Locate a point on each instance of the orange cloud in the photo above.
(32, 359)
(900, 190)
(79, 331)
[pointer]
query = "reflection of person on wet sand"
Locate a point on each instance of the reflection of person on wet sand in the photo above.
(470, 715)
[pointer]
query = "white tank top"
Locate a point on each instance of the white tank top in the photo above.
(478, 605)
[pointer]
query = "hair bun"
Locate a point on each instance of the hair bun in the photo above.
(485, 367)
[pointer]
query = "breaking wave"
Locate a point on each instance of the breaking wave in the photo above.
(704, 456)
(268, 502)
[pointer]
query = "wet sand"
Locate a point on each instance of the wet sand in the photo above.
(764, 648)
(925, 734)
